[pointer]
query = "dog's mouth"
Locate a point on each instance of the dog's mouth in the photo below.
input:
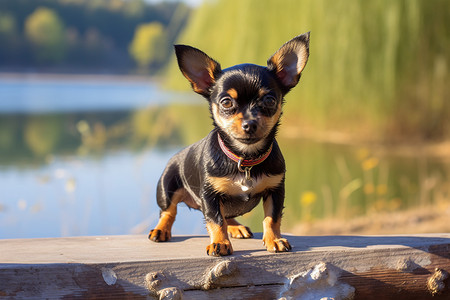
(248, 140)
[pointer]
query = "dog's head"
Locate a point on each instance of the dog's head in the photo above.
(245, 100)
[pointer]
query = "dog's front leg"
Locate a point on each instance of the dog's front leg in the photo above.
(273, 206)
(216, 225)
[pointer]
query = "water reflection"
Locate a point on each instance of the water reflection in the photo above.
(88, 173)
(65, 174)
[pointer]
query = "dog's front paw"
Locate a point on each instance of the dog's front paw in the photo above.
(219, 249)
(239, 232)
(277, 245)
(159, 235)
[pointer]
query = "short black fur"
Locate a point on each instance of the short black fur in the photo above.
(245, 103)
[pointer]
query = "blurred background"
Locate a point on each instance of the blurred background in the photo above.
(92, 105)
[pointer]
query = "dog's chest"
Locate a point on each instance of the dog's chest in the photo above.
(238, 186)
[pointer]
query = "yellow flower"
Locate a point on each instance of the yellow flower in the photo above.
(308, 198)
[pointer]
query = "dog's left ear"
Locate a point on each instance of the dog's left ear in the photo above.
(200, 69)
(288, 62)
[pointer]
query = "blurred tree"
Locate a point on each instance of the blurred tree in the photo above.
(146, 45)
(111, 22)
(45, 31)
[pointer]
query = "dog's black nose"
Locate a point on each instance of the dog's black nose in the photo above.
(249, 126)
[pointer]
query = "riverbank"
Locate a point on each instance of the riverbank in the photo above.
(55, 76)
(427, 219)
(395, 146)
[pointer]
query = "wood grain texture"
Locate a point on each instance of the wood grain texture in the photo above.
(131, 267)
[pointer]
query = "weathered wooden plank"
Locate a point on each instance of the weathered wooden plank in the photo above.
(374, 267)
(247, 292)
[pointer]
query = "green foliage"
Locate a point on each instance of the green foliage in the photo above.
(45, 30)
(145, 48)
(378, 67)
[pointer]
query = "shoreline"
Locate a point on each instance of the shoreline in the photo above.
(423, 219)
(413, 148)
(46, 76)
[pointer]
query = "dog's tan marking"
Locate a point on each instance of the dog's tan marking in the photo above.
(233, 187)
(237, 230)
(217, 233)
(236, 125)
(272, 230)
(233, 93)
(262, 92)
(163, 230)
(235, 130)
(220, 244)
(231, 125)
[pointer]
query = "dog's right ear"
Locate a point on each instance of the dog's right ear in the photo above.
(200, 69)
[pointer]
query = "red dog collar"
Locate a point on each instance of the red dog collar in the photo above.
(246, 163)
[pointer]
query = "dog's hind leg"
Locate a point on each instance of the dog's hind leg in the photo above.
(163, 230)
(237, 230)
(170, 192)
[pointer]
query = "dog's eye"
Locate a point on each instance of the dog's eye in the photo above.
(269, 101)
(226, 103)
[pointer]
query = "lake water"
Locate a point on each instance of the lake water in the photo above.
(83, 156)
(33, 94)
(53, 191)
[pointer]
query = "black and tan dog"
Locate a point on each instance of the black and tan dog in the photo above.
(226, 174)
